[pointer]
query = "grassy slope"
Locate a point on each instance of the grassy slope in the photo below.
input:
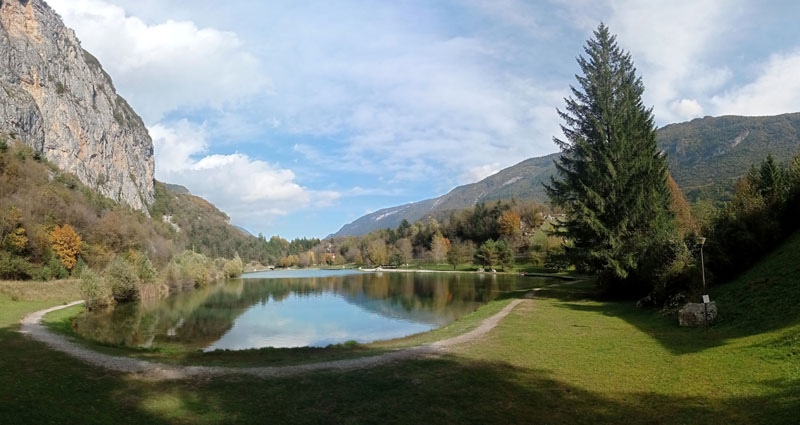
(564, 358)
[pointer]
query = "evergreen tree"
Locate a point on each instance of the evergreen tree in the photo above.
(612, 179)
(487, 254)
(505, 254)
(770, 179)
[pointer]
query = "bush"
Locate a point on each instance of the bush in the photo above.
(144, 269)
(15, 268)
(234, 268)
(58, 271)
(79, 268)
(95, 290)
(122, 279)
(188, 268)
(53, 269)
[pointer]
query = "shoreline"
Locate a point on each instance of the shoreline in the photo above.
(406, 270)
(31, 325)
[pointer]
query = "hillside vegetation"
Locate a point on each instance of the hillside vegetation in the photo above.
(36, 198)
(52, 224)
(706, 158)
(564, 357)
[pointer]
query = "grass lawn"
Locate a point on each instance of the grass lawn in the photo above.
(564, 358)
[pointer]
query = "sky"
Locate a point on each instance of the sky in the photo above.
(296, 117)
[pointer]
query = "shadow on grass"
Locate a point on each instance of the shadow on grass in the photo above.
(748, 306)
(38, 385)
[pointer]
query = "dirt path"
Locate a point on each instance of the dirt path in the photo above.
(31, 325)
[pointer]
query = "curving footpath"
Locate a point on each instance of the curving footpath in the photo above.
(31, 325)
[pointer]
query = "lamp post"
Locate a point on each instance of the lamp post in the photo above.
(702, 241)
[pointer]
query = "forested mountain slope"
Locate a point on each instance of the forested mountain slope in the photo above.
(707, 156)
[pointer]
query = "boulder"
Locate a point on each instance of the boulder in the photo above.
(691, 314)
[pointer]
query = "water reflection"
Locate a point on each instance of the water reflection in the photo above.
(302, 308)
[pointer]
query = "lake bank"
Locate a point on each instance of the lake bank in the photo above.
(428, 307)
(564, 358)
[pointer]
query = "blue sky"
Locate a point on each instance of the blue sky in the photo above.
(296, 117)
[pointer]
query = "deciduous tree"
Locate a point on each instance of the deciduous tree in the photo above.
(509, 223)
(66, 244)
(439, 246)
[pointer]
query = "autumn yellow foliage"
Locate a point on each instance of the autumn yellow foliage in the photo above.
(509, 223)
(66, 244)
(11, 231)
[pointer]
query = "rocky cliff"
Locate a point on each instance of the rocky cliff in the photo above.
(56, 98)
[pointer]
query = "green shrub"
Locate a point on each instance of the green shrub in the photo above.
(14, 267)
(144, 269)
(57, 270)
(77, 271)
(52, 270)
(3, 144)
(122, 279)
(234, 268)
(95, 290)
(188, 268)
(171, 275)
(219, 264)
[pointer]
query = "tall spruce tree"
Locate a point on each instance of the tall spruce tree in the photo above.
(612, 179)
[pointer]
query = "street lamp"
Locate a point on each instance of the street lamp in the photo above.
(702, 241)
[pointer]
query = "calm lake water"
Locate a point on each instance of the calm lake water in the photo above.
(300, 308)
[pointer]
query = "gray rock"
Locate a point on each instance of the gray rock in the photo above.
(691, 315)
(56, 98)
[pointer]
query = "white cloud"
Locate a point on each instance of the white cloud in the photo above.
(686, 109)
(776, 90)
(166, 66)
(251, 191)
(479, 173)
(669, 42)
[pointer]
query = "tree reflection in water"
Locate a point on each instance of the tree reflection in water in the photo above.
(316, 308)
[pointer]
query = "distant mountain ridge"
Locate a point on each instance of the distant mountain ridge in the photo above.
(522, 181)
(706, 156)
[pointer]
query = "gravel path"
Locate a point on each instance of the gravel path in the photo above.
(31, 325)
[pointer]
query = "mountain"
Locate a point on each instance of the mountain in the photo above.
(522, 181)
(706, 156)
(198, 224)
(56, 98)
(181, 190)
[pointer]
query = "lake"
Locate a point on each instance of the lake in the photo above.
(300, 308)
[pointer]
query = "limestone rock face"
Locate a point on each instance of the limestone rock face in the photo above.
(691, 314)
(56, 98)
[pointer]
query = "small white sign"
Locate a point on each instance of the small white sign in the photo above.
(706, 300)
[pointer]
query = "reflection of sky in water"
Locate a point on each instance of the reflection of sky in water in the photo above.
(299, 308)
(301, 273)
(316, 321)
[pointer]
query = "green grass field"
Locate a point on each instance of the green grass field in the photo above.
(564, 358)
